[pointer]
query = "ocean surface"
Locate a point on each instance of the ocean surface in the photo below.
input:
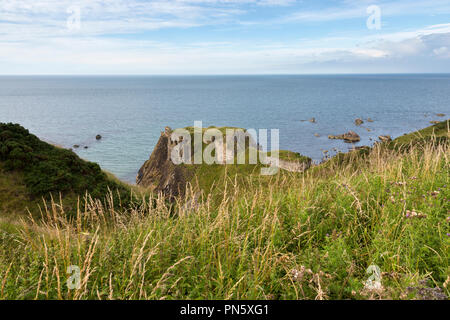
(130, 112)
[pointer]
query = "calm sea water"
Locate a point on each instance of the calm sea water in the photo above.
(130, 112)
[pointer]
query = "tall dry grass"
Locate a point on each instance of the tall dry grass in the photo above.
(292, 236)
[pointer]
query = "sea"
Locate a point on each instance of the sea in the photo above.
(129, 112)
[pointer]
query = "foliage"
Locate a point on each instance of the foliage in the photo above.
(49, 169)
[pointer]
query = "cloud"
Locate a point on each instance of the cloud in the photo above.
(34, 39)
(108, 56)
(442, 52)
(428, 45)
(47, 17)
(356, 9)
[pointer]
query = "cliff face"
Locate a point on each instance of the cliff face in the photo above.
(159, 173)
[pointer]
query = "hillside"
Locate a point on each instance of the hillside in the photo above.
(160, 174)
(312, 235)
(31, 169)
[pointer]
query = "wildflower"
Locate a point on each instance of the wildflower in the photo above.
(298, 275)
(414, 214)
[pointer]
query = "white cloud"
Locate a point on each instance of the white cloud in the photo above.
(357, 9)
(442, 52)
(107, 56)
(34, 40)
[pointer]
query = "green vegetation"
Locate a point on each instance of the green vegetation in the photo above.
(437, 132)
(305, 235)
(31, 169)
(47, 168)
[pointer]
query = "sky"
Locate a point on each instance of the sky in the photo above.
(203, 37)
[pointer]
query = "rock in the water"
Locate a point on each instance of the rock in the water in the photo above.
(359, 122)
(98, 137)
(349, 137)
(440, 115)
(316, 135)
(360, 148)
(312, 120)
(86, 147)
(76, 146)
(435, 122)
(385, 138)
(369, 120)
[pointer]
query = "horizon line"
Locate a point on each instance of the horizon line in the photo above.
(221, 74)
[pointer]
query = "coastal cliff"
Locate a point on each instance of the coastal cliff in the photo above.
(160, 175)
(319, 231)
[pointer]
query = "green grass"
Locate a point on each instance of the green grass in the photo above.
(288, 236)
(31, 169)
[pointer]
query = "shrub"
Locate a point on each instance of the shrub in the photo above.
(48, 169)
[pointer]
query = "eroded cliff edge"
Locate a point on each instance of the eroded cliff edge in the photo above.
(159, 173)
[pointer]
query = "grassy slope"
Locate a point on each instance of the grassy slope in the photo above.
(289, 236)
(210, 178)
(438, 133)
(31, 169)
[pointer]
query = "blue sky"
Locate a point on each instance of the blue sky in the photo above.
(223, 36)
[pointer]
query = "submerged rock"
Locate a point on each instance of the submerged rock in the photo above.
(385, 138)
(359, 122)
(369, 120)
(440, 115)
(349, 137)
(98, 137)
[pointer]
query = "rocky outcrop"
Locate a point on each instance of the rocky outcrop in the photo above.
(291, 166)
(385, 138)
(159, 173)
(359, 122)
(349, 137)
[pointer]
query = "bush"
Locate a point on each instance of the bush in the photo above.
(48, 169)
